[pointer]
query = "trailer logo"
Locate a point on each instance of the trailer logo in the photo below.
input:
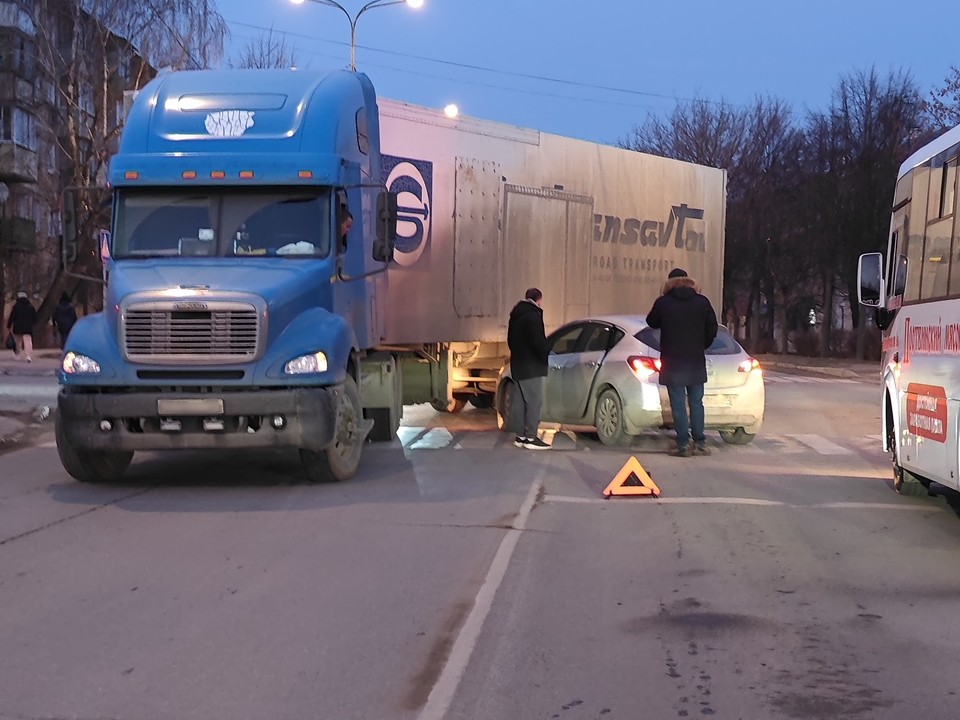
(630, 231)
(229, 123)
(412, 180)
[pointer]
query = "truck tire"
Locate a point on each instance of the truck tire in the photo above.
(342, 458)
(92, 466)
(482, 402)
(454, 406)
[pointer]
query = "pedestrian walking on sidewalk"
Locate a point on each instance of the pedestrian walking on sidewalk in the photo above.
(688, 326)
(23, 317)
(64, 318)
(528, 364)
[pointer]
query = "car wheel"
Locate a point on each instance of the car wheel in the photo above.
(509, 411)
(736, 437)
(609, 419)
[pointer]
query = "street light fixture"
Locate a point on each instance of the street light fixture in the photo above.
(373, 4)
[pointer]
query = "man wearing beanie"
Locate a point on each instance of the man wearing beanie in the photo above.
(688, 325)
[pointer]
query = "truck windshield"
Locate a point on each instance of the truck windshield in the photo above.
(229, 222)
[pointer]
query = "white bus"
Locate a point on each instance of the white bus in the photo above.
(917, 300)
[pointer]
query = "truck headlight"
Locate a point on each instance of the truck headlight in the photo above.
(76, 364)
(313, 363)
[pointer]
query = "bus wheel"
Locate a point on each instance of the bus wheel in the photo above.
(894, 460)
(342, 458)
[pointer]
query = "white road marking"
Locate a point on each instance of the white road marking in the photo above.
(435, 439)
(736, 501)
(445, 688)
(407, 434)
(821, 445)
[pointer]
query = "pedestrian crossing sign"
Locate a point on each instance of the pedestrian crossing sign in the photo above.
(632, 480)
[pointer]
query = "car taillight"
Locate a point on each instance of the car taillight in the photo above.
(748, 365)
(643, 367)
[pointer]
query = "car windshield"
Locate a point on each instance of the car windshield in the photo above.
(723, 344)
(282, 222)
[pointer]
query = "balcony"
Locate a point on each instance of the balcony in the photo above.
(17, 164)
(18, 234)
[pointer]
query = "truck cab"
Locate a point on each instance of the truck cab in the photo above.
(238, 305)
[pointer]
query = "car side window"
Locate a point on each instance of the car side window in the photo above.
(601, 338)
(649, 337)
(564, 341)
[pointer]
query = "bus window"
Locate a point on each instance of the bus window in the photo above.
(914, 266)
(936, 260)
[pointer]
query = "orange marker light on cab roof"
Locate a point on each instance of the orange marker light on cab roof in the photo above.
(246, 174)
(131, 175)
(189, 174)
(217, 174)
(305, 174)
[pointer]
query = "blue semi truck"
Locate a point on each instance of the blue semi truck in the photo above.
(248, 301)
(237, 304)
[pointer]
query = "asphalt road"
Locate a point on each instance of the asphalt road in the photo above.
(461, 577)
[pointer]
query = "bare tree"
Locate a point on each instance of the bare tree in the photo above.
(944, 103)
(268, 50)
(90, 53)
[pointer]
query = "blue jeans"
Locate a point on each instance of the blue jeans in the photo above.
(679, 395)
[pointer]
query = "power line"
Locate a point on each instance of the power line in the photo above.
(481, 68)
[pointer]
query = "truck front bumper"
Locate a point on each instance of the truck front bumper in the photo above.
(283, 418)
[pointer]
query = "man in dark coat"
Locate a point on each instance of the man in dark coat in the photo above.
(528, 364)
(22, 319)
(688, 325)
(64, 318)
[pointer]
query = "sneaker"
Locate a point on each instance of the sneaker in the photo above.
(535, 444)
(701, 450)
(680, 451)
(519, 441)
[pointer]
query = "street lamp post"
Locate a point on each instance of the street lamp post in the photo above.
(355, 18)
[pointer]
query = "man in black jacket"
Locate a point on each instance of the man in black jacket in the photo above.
(528, 364)
(688, 326)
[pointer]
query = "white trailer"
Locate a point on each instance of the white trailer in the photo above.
(487, 210)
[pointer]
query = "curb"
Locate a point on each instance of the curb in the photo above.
(832, 371)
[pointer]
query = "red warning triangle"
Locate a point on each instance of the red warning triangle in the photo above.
(632, 480)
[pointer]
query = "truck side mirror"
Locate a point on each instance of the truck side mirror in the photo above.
(68, 244)
(870, 280)
(386, 227)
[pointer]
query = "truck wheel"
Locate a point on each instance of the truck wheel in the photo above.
(93, 466)
(736, 437)
(341, 460)
(609, 420)
(454, 406)
(482, 402)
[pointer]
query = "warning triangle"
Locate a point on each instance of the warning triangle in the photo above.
(632, 480)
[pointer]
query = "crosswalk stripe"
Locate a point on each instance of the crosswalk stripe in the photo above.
(419, 438)
(822, 445)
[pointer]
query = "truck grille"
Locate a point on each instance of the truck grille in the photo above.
(216, 334)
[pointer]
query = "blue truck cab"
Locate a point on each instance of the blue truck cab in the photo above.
(240, 301)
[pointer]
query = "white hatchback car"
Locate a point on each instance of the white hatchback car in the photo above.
(604, 373)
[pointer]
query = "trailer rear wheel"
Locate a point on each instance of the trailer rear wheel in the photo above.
(342, 458)
(482, 402)
(454, 406)
(93, 466)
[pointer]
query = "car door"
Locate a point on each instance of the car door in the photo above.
(562, 346)
(582, 367)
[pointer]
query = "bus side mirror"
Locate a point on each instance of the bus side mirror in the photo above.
(870, 280)
(68, 243)
(386, 227)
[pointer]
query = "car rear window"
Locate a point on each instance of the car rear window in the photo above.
(724, 344)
